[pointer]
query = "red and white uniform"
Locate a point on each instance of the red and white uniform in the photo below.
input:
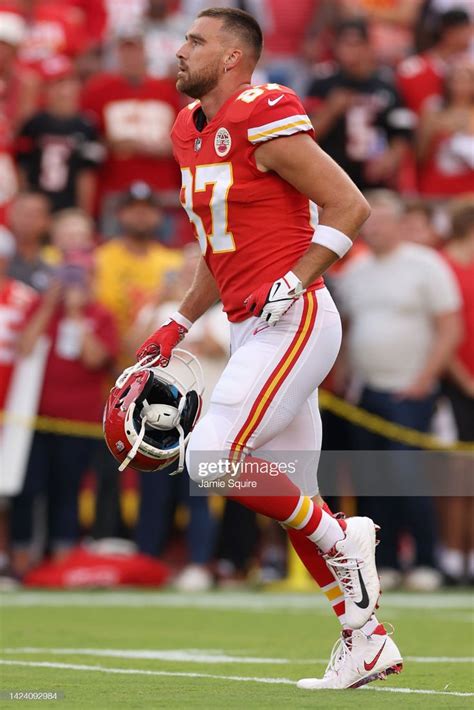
(128, 112)
(252, 227)
(449, 169)
(420, 81)
(17, 300)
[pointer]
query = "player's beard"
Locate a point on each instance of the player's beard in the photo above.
(199, 84)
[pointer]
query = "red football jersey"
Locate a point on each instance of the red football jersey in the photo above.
(17, 300)
(128, 112)
(420, 81)
(448, 168)
(252, 226)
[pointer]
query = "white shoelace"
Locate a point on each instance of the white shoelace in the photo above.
(345, 568)
(338, 655)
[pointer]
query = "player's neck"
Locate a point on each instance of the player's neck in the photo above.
(215, 99)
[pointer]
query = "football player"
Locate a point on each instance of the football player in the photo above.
(251, 176)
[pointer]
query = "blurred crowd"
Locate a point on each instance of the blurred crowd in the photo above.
(95, 251)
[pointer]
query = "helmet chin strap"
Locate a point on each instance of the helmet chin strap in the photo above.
(133, 451)
(181, 406)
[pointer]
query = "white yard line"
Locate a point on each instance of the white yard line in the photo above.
(245, 601)
(182, 674)
(196, 655)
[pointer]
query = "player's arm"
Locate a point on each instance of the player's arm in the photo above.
(302, 163)
(202, 294)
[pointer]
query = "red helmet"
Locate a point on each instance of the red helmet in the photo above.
(151, 412)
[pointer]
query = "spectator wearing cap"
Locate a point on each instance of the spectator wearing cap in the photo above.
(357, 113)
(132, 266)
(445, 146)
(402, 305)
(29, 221)
(82, 345)
(457, 514)
(58, 150)
(135, 113)
(420, 78)
(19, 92)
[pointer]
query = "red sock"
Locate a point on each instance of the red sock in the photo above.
(289, 506)
(318, 569)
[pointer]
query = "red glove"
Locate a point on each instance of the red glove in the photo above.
(163, 340)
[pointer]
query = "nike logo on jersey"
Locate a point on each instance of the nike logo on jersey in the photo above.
(272, 102)
(364, 602)
(369, 666)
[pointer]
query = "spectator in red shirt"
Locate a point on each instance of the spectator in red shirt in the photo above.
(457, 514)
(54, 28)
(446, 138)
(420, 78)
(459, 253)
(16, 301)
(135, 114)
(83, 343)
(289, 27)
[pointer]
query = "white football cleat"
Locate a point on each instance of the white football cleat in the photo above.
(357, 659)
(352, 561)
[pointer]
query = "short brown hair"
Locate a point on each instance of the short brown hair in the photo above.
(242, 23)
(462, 218)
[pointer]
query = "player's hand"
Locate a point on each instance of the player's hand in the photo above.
(162, 342)
(272, 300)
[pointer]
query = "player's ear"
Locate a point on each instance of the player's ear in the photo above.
(232, 59)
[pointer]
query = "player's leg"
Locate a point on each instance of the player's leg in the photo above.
(352, 662)
(269, 378)
(303, 437)
(258, 395)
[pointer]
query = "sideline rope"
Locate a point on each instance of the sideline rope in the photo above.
(327, 401)
(390, 430)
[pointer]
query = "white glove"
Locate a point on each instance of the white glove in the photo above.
(271, 300)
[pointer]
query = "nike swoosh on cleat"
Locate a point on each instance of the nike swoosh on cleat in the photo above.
(364, 602)
(272, 102)
(369, 666)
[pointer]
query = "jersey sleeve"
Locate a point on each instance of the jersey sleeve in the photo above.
(277, 113)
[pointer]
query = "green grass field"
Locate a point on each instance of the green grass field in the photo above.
(224, 650)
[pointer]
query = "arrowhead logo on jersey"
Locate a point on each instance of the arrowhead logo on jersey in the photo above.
(222, 142)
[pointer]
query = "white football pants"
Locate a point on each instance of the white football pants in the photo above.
(266, 401)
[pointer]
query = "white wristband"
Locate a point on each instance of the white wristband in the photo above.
(181, 320)
(332, 239)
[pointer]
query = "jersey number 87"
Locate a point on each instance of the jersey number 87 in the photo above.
(220, 176)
